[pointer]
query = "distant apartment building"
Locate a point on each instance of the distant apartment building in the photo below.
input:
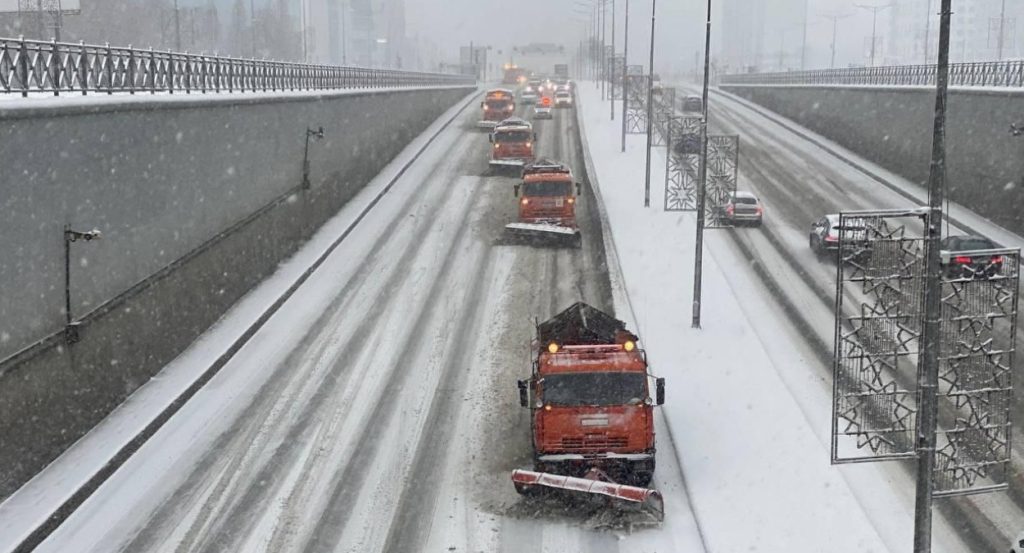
(369, 33)
(980, 30)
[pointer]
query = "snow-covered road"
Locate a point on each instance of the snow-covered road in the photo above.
(377, 409)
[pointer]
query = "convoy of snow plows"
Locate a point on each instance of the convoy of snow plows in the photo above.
(589, 391)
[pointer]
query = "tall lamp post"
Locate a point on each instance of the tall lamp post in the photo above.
(625, 73)
(698, 261)
(874, 25)
(835, 29)
(650, 110)
(928, 375)
(611, 81)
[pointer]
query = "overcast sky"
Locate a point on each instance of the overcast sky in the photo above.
(452, 23)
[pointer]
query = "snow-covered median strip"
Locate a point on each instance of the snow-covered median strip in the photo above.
(756, 467)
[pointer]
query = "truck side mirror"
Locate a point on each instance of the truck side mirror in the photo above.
(481, 104)
(515, 190)
(534, 137)
(490, 138)
(579, 188)
(660, 394)
(523, 399)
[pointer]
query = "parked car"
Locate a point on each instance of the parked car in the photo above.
(824, 237)
(742, 208)
(693, 104)
(959, 259)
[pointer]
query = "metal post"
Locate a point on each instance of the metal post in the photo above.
(67, 276)
(252, 27)
(625, 77)
(803, 46)
(835, 29)
(1002, 29)
(650, 111)
(927, 28)
(698, 262)
(603, 32)
(344, 34)
(611, 81)
(928, 374)
(177, 28)
(302, 16)
(874, 26)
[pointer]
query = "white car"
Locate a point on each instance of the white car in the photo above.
(542, 111)
(563, 99)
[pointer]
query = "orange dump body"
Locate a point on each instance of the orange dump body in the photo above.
(512, 144)
(590, 398)
(498, 105)
(548, 197)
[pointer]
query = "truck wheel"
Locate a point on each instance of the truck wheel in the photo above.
(642, 478)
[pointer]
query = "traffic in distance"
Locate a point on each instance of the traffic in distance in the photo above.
(590, 390)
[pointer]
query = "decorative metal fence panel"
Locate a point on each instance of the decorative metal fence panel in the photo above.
(28, 66)
(877, 340)
(722, 172)
(636, 105)
(682, 161)
(976, 361)
(663, 109)
(1001, 74)
(618, 70)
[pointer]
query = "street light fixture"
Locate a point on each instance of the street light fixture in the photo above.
(698, 262)
(317, 134)
(874, 25)
(650, 110)
(70, 235)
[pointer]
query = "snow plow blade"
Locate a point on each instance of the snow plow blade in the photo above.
(544, 233)
(647, 499)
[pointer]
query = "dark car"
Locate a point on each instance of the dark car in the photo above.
(824, 237)
(742, 208)
(966, 257)
(693, 104)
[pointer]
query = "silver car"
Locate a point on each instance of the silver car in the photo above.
(743, 208)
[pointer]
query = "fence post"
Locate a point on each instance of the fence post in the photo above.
(83, 67)
(23, 66)
(108, 70)
(131, 70)
(170, 72)
(55, 67)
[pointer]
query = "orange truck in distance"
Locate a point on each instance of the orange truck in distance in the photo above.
(499, 104)
(512, 143)
(513, 74)
(592, 410)
(547, 204)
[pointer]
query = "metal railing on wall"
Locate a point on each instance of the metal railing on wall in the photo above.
(994, 74)
(30, 66)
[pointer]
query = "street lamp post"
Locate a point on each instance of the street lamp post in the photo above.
(698, 261)
(874, 25)
(928, 375)
(835, 29)
(625, 73)
(611, 81)
(70, 326)
(650, 110)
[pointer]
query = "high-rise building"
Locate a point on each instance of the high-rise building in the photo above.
(367, 33)
(980, 30)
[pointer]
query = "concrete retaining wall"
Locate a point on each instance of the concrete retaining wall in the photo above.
(202, 197)
(893, 127)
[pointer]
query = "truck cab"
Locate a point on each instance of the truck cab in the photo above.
(547, 194)
(498, 105)
(512, 143)
(590, 398)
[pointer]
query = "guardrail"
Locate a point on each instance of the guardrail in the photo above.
(28, 66)
(995, 74)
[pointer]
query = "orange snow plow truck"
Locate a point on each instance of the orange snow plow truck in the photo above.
(592, 410)
(547, 204)
(499, 104)
(512, 144)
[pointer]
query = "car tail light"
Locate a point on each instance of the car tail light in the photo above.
(962, 260)
(830, 238)
(997, 259)
(759, 210)
(730, 209)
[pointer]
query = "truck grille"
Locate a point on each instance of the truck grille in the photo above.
(595, 442)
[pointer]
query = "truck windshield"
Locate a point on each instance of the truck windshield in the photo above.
(597, 389)
(546, 188)
(513, 136)
(497, 104)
